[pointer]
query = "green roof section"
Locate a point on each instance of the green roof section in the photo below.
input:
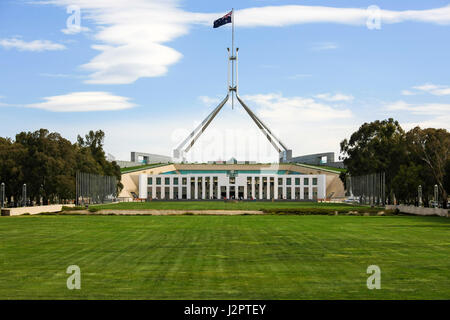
(143, 167)
(323, 168)
(155, 165)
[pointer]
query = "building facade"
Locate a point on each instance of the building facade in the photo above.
(232, 185)
(145, 158)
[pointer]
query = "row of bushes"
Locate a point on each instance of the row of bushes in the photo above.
(326, 211)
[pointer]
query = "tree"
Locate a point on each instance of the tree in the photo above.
(378, 146)
(447, 177)
(49, 160)
(92, 144)
(405, 183)
(432, 146)
(11, 168)
(48, 164)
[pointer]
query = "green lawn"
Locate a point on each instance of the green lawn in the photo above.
(224, 257)
(223, 205)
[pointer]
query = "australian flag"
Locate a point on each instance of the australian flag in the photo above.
(224, 20)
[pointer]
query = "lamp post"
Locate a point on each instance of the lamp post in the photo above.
(419, 192)
(24, 194)
(436, 195)
(2, 195)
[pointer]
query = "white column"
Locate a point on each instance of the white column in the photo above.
(228, 192)
(219, 195)
(195, 187)
(275, 185)
(253, 187)
(292, 189)
(171, 188)
(260, 187)
(302, 190)
(310, 188)
(188, 185)
(236, 190)
(245, 188)
(211, 190)
(153, 187)
(203, 187)
(143, 186)
(163, 188)
(268, 188)
(180, 187)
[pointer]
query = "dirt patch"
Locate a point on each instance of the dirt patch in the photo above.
(166, 212)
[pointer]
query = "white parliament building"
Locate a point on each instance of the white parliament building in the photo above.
(232, 181)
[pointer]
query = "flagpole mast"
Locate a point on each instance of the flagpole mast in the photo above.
(232, 32)
(232, 56)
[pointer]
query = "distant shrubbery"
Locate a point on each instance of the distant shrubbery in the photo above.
(326, 211)
(47, 163)
(408, 159)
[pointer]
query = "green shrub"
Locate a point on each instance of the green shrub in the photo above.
(93, 209)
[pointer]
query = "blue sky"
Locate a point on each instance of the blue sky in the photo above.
(146, 72)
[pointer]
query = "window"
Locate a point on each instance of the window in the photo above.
(232, 180)
(297, 181)
(306, 181)
(288, 181)
(158, 181)
(280, 181)
(175, 181)
(184, 180)
(314, 180)
(167, 181)
(150, 181)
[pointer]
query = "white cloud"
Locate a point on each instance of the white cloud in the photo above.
(442, 121)
(209, 101)
(75, 29)
(83, 102)
(275, 106)
(334, 98)
(321, 46)
(132, 35)
(408, 93)
(279, 16)
(437, 90)
(430, 88)
(420, 109)
(36, 45)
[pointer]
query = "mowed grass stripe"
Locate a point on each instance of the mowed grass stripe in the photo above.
(224, 257)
